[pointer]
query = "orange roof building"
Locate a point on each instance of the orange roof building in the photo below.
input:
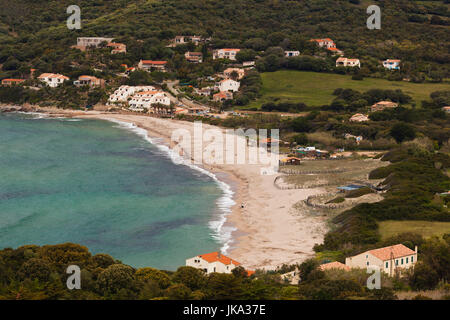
(213, 262)
(391, 260)
(12, 82)
(334, 265)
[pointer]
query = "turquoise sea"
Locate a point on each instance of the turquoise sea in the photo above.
(104, 185)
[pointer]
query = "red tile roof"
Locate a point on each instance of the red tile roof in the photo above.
(397, 251)
(216, 256)
(334, 265)
(154, 62)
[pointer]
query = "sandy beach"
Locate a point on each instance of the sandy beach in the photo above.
(269, 231)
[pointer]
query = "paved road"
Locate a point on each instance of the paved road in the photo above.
(189, 103)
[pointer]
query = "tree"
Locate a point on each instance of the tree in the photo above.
(402, 132)
(161, 278)
(114, 278)
(191, 277)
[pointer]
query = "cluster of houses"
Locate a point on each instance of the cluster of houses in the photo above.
(308, 153)
(85, 43)
(379, 106)
(392, 260)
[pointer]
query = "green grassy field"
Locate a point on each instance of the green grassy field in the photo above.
(425, 228)
(316, 89)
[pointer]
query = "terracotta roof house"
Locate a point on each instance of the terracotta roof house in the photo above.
(359, 117)
(89, 81)
(213, 262)
(12, 82)
(222, 96)
(446, 109)
(334, 265)
(117, 47)
(379, 106)
(152, 65)
(52, 80)
(345, 62)
(391, 260)
(392, 64)
(194, 57)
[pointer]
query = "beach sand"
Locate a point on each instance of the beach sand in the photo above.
(269, 231)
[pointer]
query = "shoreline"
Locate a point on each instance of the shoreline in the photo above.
(268, 232)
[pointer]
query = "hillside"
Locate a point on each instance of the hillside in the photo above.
(34, 34)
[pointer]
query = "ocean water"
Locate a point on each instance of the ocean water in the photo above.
(109, 187)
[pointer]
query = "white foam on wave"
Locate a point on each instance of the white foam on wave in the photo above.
(36, 115)
(220, 231)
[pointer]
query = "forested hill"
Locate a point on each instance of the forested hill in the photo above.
(33, 33)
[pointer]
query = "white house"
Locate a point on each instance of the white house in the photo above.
(228, 85)
(92, 41)
(225, 54)
(292, 53)
(345, 62)
(52, 80)
(390, 260)
(392, 64)
(123, 93)
(142, 101)
(213, 262)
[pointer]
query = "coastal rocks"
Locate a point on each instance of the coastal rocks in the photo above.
(9, 108)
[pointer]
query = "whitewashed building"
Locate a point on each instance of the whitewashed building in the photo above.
(123, 93)
(213, 262)
(92, 41)
(228, 85)
(391, 260)
(345, 62)
(292, 53)
(53, 80)
(225, 54)
(392, 64)
(143, 101)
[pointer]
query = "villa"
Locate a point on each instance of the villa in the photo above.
(324, 43)
(292, 53)
(379, 106)
(225, 54)
(228, 73)
(89, 81)
(194, 57)
(92, 42)
(12, 82)
(345, 62)
(179, 40)
(222, 96)
(392, 64)
(213, 262)
(446, 109)
(391, 260)
(359, 117)
(117, 47)
(228, 85)
(150, 65)
(52, 80)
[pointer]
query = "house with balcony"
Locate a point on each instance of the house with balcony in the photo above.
(53, 80)
(225, 54)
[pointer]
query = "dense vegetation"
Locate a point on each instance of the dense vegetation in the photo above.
(36, 273)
